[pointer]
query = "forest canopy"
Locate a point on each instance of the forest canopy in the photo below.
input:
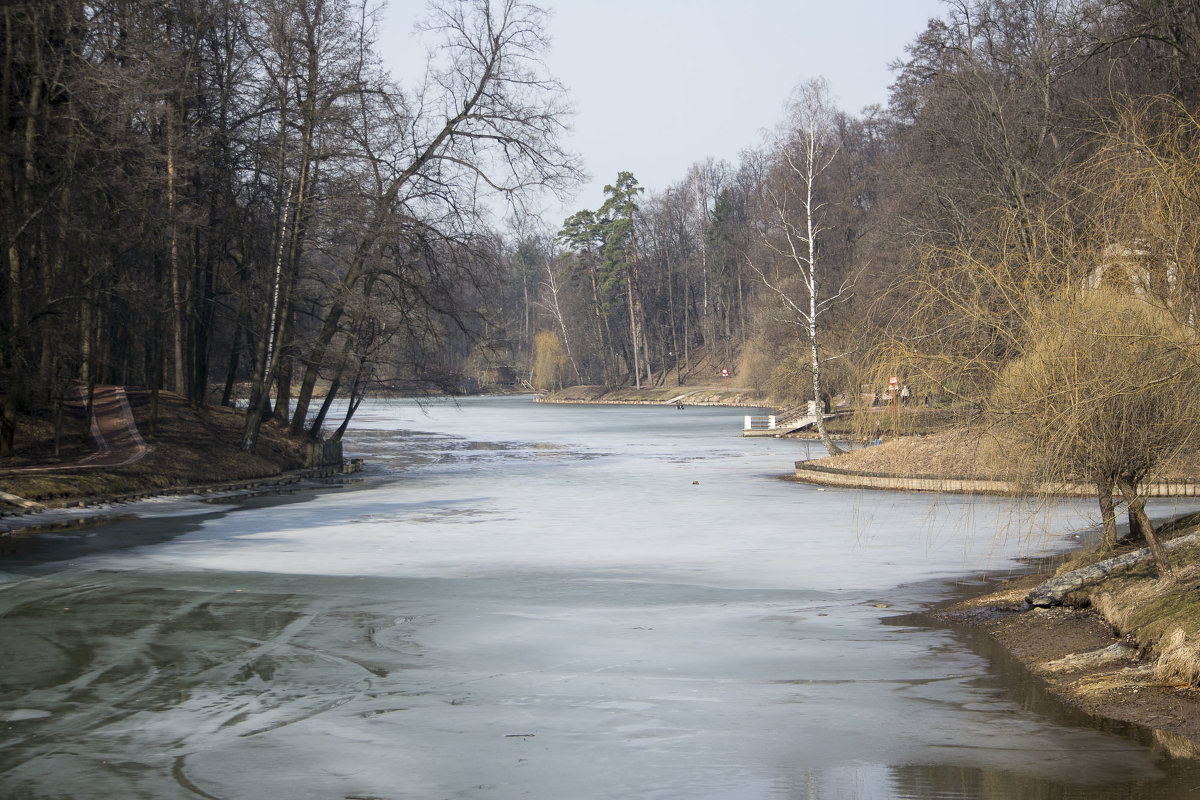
(233, 201)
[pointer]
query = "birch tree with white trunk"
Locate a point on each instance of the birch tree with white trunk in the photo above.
(802, 150)
(550, 301)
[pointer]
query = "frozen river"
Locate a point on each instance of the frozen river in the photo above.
(531, 601)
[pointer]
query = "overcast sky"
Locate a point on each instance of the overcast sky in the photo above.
(658, 85)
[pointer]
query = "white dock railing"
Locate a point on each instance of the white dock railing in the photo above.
(760, 423)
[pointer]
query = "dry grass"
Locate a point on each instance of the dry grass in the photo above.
(958, 453)
(961, 453)
(1163, 615)
(1179, 659)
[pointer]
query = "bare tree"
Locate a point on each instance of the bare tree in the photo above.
(488, 120)
(1075, 332)
(804, 149)
(552, 289)
(1105, 391)
(1146, 178)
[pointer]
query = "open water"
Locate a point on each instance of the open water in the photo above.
(535, 601)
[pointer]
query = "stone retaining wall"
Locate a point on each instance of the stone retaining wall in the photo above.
(855, 479)
(324, 453)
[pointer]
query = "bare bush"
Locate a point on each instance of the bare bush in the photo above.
(1105, 391)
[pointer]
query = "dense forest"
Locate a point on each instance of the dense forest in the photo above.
(232, 201)
(1010, 123)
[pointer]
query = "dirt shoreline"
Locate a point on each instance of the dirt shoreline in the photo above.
(1080, 661)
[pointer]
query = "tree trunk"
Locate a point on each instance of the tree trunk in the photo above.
(1108, 513)
(178, 319)
(235, 355)
(556, 310)
(826, 439)
(58, 417)
(1137, 531)
(318, 350)
(671, 311)
(1053, 591)
(283, 384)
(11, 357)
(687, 317)
(633, 332)
(156, 371)
(741, 306)
(600, 321)
(268, 363)
(314, 430)
(205, 306)
(89, 396)
(242, 324)
(358, 392)
(636, 291)
(8, 421)
(1137, 508)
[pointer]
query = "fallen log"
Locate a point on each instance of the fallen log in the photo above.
(1051, 592)
(1114, 653)
(20, 502)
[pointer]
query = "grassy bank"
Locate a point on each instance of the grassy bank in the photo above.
(1161, 616)
(187, 446)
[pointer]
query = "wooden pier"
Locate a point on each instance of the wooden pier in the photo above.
(782, 424)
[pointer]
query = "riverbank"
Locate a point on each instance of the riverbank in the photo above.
(175, 448)
(187, 450)
(1084, 661)
(1124, 648)
(83, 512)
(688, 395)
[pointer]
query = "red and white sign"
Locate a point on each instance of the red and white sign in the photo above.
(724, 373)
(894, 382)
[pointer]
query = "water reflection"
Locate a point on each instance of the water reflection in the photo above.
(926, 782)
